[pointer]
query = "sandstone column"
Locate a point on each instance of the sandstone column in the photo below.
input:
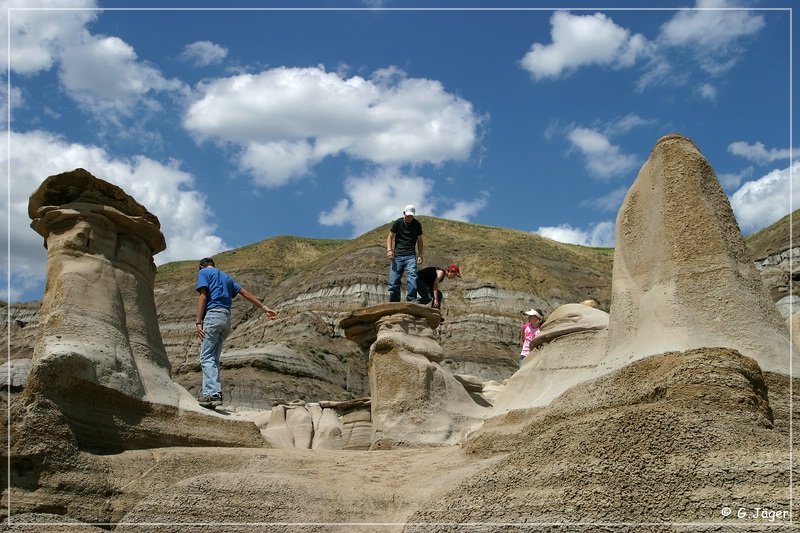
(98, 319)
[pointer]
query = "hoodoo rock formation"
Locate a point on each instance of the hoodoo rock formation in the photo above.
(98, 317)
(99, 370)
(677, 239)
(415, 402)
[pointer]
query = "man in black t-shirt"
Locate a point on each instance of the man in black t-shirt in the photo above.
(404, 250)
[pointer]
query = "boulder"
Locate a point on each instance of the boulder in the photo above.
(787, 305)
(569, 348)
(570, 318)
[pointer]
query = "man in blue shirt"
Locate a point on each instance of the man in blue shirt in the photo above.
(402, 244)
(215, 293)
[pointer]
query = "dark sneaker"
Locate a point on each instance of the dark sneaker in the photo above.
(205, 402)
(211, 402)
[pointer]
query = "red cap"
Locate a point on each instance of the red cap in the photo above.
(454, 268)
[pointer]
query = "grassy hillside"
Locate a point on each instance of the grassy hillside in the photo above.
(776, 237)
(280, 256)
(512, 259)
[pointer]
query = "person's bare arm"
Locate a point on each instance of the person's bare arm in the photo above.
(420, 247)
(439, 276)
(202, 297)
(255, 301)
(390, 246)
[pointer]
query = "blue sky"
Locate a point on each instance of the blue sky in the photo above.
(233, 126)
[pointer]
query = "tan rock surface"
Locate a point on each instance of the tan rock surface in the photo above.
(98, 317)
(670, 439)
(99, 367)
(683, 277)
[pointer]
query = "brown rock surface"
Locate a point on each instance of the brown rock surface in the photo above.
(670, 439)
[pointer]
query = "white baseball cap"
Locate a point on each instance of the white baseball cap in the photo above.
(409, 210)
(532, 312)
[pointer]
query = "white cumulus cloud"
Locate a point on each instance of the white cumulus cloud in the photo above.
(37, 35)
(603, 159)
(464, 210)
(204, 53)
(378, 197)
(712, 32)
(715, 24)
(761, 202)
(581, 40)
(104, 74)
(600, 234)
(757, 152)
(285, 120)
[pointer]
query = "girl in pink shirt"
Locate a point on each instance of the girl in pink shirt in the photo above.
(529, 331)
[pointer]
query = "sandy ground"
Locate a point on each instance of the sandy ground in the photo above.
(318, 490)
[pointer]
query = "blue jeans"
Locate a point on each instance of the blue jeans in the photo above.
(217, 325)
(407, 263)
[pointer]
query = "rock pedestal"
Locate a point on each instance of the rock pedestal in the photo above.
(98, 317)
(414, 401)
(99, 370)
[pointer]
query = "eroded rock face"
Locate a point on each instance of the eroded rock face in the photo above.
(683, 277)
(567, 351)
(98, 318)
(415, 402)
(641, 433)
(318, 426)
